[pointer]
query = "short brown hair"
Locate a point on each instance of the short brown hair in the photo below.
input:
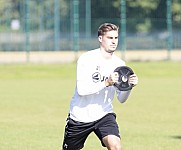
(107, 27)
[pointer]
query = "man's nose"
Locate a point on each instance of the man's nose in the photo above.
(114, 41)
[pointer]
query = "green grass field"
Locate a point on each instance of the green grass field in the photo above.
(34, 102)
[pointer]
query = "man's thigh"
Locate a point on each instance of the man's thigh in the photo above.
(75, 134)
(107, 126)
(112, 142)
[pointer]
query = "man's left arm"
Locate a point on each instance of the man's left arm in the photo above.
(123, 95)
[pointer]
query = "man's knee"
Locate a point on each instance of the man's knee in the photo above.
(114, 146)
(112, 142)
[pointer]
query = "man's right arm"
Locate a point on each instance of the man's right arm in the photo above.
(85, 83)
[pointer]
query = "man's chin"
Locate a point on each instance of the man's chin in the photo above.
(111, 50)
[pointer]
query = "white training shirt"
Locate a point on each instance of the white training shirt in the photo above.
(92, 99)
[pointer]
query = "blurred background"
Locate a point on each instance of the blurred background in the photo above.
(30, 26)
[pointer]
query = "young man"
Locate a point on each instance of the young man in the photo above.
(91, 107)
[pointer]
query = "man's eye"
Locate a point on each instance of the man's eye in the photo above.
(112, 37)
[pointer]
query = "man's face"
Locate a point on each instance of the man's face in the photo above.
(109, 41)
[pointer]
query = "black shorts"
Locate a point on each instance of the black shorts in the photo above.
(76, 132)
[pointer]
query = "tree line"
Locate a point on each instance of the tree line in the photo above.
(142, 15)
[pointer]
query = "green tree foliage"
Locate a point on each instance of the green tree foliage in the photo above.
(176, 7)
(41, 12)
(142, 15)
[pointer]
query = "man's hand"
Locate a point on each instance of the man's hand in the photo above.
(113, 78)
(133, 79)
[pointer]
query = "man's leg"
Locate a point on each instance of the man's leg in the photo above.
(108, 132)
(75, 134)
(112, 142)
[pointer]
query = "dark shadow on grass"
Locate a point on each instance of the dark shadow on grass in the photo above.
(176, 137)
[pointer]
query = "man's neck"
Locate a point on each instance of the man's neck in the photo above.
(106, 54)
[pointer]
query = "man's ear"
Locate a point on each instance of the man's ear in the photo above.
(100, 38)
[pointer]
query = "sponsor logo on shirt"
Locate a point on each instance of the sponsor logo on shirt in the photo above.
(96, 77)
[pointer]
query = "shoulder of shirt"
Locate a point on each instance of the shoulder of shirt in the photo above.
(118, 60)
(88, 54)
(94, 53)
